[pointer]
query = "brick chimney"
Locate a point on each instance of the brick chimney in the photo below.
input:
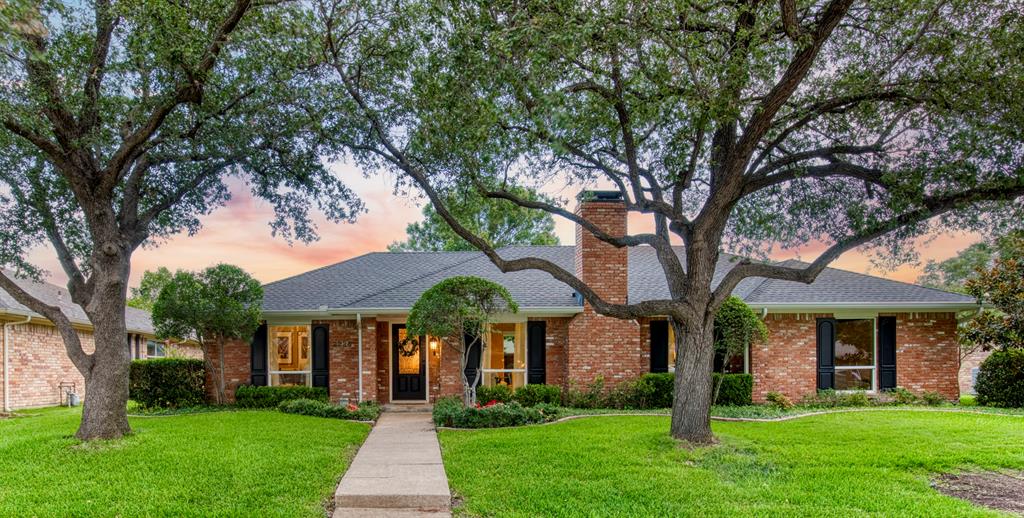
(602, 266)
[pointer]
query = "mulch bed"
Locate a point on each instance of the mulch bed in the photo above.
(996, 490)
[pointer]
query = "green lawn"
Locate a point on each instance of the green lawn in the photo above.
(832, 465)
(247, 463)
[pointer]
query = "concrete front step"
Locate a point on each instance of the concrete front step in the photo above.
(408, 407)
(366, 512)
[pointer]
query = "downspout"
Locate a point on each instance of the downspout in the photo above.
(7, 367)
(358, 333)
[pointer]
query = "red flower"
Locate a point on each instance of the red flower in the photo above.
(491, 403)
(352, 408)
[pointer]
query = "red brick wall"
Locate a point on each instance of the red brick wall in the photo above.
(343, 367)
(598, 345)
(927, 354)
(383, 366)
(447, 378)
(237, 370)
(556, 341)
(39, 362)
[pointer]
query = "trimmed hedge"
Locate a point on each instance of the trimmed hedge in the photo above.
(449, 411)
(535, 394)
(251, 396)
(656, 391)
(167, 383)
(1001, 379)
(736, 389)
(365, 411)
(499, 393)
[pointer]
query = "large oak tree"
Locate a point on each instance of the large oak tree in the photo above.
(120, 122)
(744, 125)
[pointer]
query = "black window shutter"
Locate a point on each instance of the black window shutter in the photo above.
(321, 358)
(887, 353)
(826, 353)
(659, 346)
(473, 344)
(536, 357)
(258, 358)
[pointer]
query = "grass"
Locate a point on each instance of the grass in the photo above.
(830, 465)
(240, 463)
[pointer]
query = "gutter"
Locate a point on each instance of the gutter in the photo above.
(359, 334)
(355, 312)
(7, 367)
(904, 306)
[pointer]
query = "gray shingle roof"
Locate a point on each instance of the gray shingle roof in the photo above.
(396, 279)
(137, 320)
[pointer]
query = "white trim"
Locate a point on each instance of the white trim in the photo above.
(359, 340)
(885, 307)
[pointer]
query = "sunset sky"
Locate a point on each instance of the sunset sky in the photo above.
(239, 234)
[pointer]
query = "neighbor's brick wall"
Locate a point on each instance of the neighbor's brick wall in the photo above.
(971, 362)
(39, 362)
(927, 353)
(598, 345)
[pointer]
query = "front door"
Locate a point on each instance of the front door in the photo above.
(409, 365)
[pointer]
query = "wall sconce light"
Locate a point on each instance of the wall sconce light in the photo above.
(433, 346)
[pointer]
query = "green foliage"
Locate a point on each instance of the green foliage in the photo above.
(952, 274)
(536, 394)
(144, 296)
(931, 398)
(220, 302)
(499, 393)
(778, 399)
(167, 383)
(251, 396)
(832, 399)
(660, 386)
(733, 389)
(458, 304)
(1001, 379)
(1001, 286)
(365, 411)
(501, 223)
(737, 327)
(453, 413)
(589, 396)
(902, 396)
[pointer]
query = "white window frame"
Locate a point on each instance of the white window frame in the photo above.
(273, 350)
(158, 346)
(873, 368)
(526, 351)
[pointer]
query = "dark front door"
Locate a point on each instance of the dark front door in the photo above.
(408, 365)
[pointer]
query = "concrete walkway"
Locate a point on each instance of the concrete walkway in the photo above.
(397, 471)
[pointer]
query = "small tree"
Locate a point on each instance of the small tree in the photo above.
(1003, 287)
(736, 328)
(153, 281)
(213, 306)
(455, 307)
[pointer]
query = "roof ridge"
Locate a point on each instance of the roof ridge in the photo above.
(897, 281)
(324, 267)
(414, 279)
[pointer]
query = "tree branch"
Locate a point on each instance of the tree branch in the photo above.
(72, 343)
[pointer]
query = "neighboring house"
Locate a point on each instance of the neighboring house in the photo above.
(343, 326)
(969, 368)
(36, 369)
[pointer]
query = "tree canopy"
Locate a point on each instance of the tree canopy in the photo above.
(144, 296)
(501, 223)
(748, 126)
(737, 327)
(952, 274)
(218, 304)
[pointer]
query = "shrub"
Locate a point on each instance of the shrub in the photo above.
(250, 396)
(932, 398)
(365, 411)
(661, 387)
(778, 399)
(1001, 379)
(902, 396)
(447, 409)
(499, 393)
(450, 411)
(733, 389)
(167, 383)
(967, 400)
(831, 399)
(535, 394)
(590, 397)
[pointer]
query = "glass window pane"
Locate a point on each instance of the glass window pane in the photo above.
(408, 354)
(289, 351)
(854, 379)
(855, 343)
(506, 351)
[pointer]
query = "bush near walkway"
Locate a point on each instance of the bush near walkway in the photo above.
(250, 396)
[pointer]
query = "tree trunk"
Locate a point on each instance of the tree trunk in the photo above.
(105, 409)
(221, 396)
(691, 409)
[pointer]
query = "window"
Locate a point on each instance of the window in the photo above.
(504, 361)
(155, 349)
(671, 348)
(855, 354)
(289, 355)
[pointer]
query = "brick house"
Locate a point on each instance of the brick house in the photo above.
(343, 326)
(36, 370)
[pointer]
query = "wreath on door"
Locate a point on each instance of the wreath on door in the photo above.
(408, 347)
